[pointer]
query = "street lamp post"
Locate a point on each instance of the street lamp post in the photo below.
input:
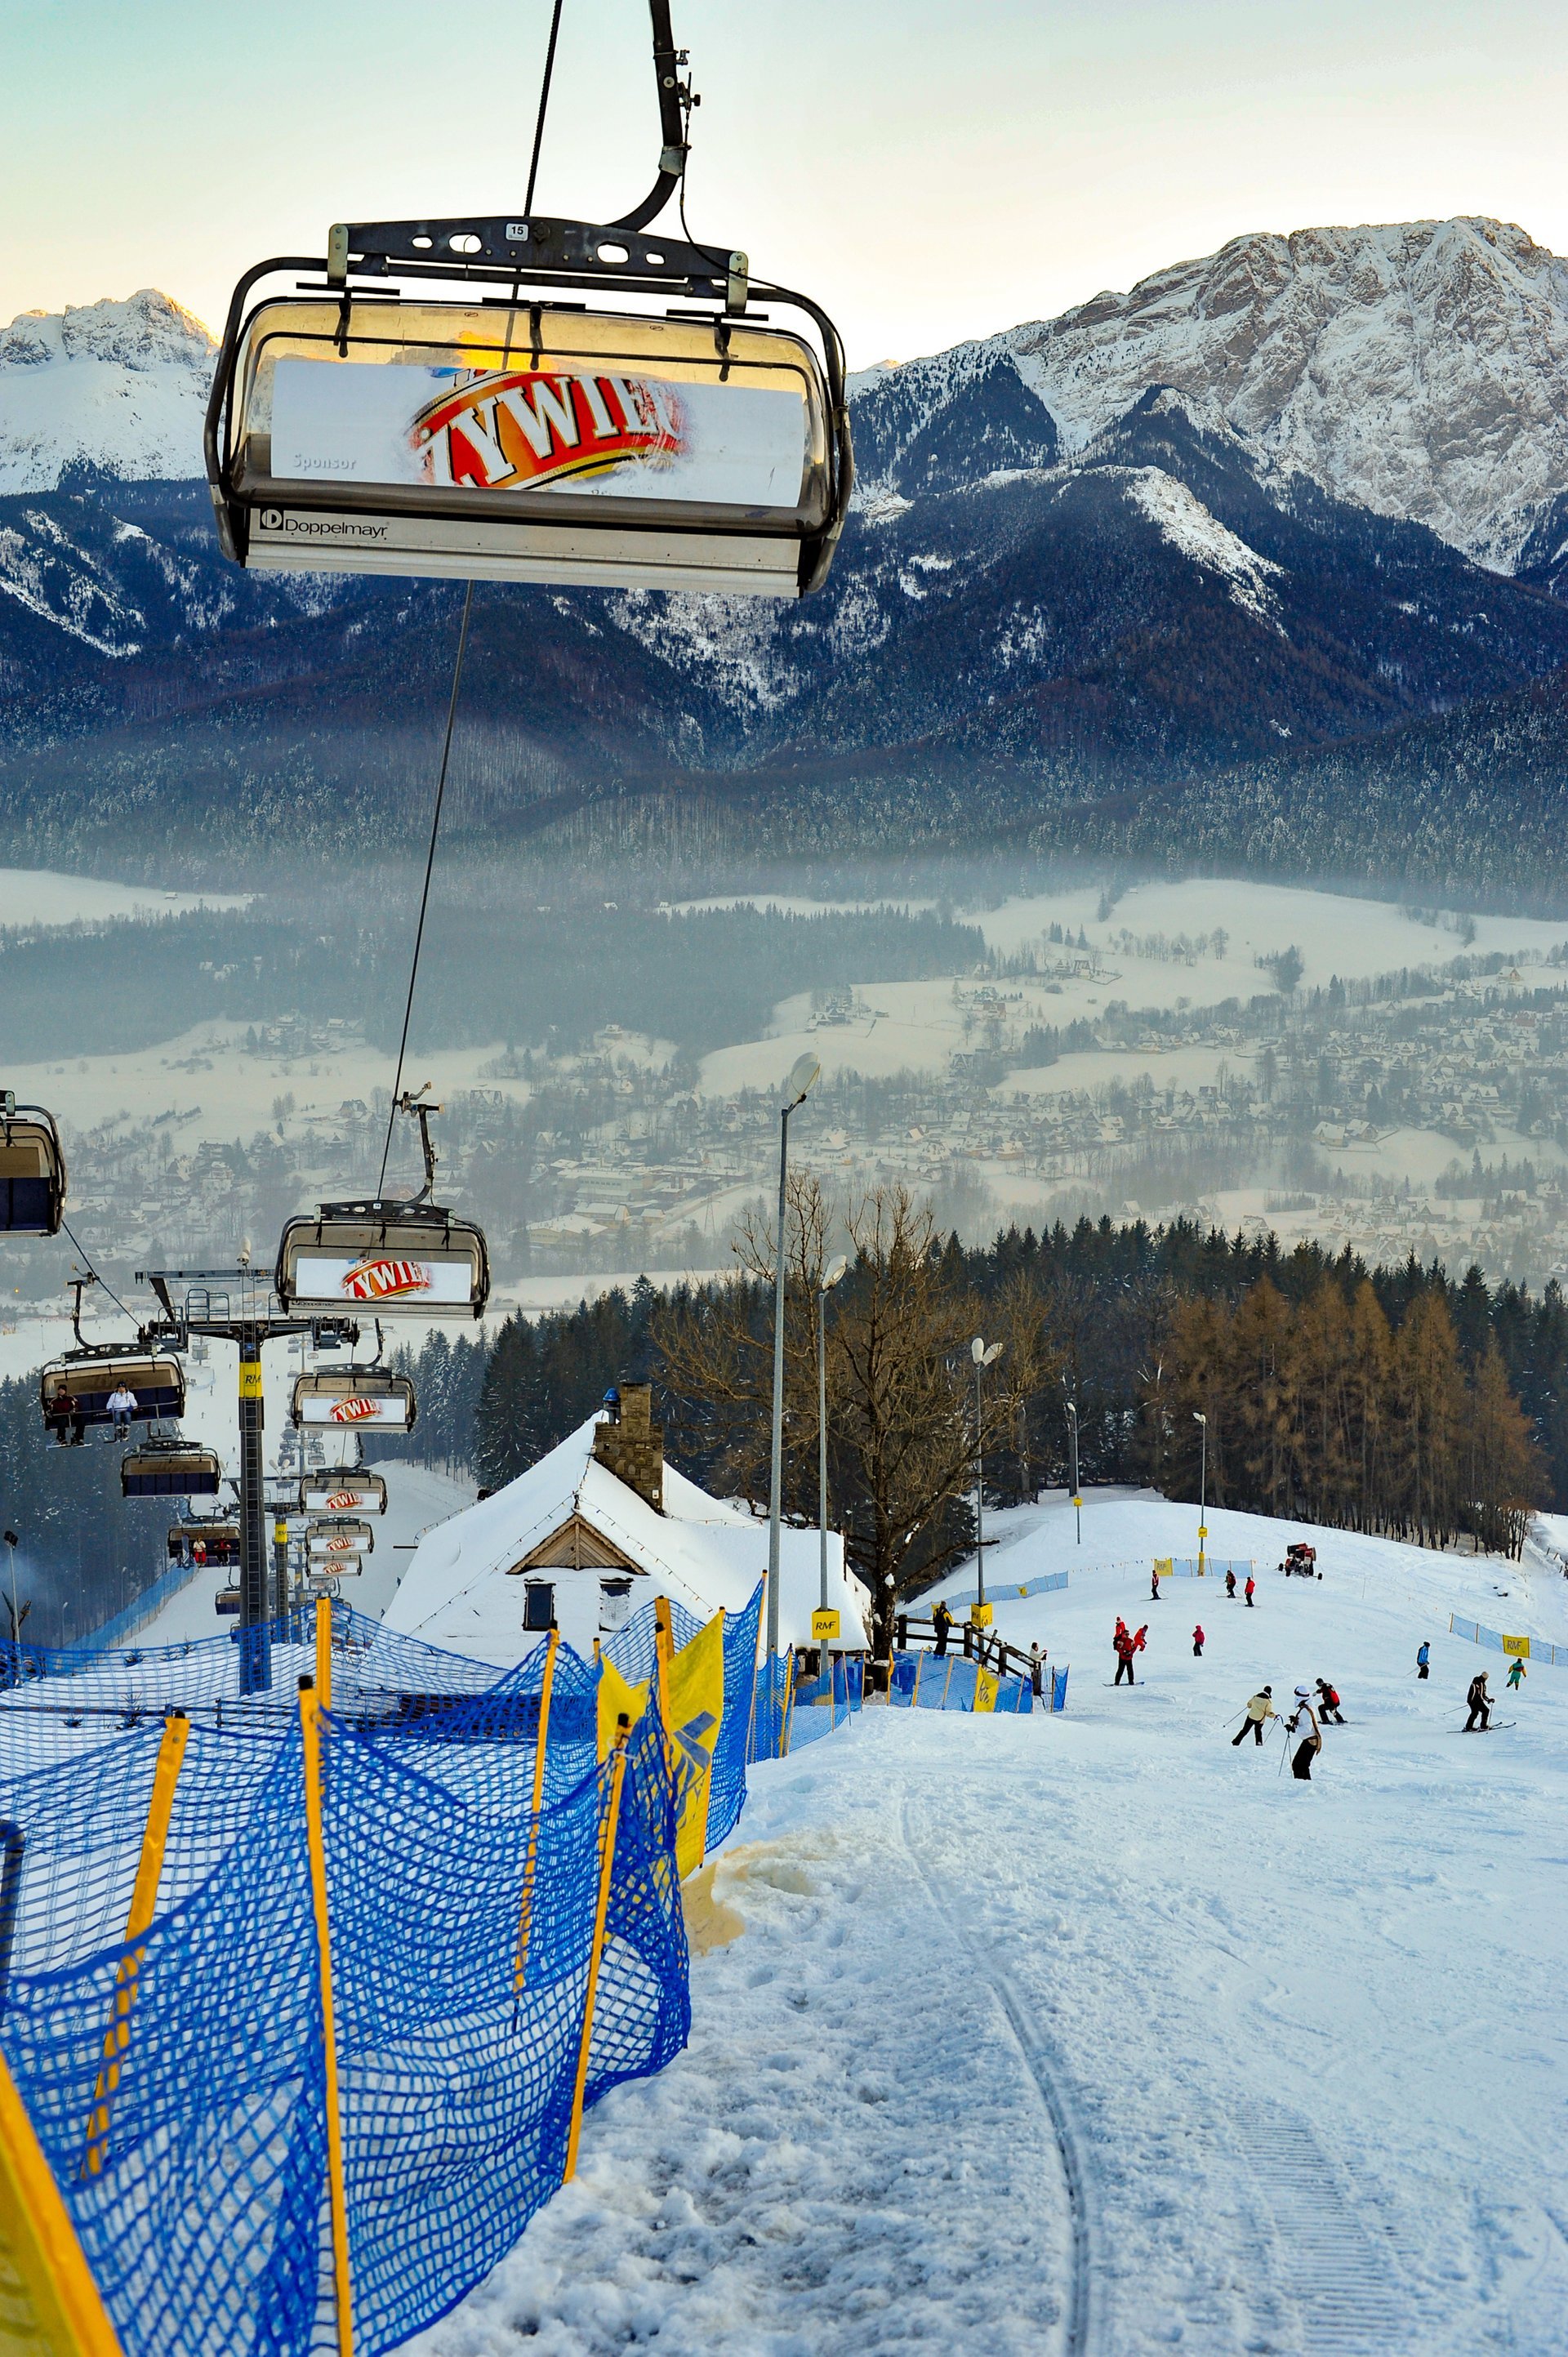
(802, 1077)
(1202, 1485)
(831, 1276)
(1077, 1500)
(985, 1355)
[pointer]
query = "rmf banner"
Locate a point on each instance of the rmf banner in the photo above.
(617, 1700)
(985, 1686)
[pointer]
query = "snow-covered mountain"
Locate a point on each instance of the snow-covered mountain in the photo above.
(117, 386)
(1419, 370)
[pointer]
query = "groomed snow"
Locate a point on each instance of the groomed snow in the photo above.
(1304, 2040)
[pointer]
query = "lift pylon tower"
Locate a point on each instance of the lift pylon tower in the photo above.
(238, 1304)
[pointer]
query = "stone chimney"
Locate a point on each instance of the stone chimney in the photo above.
(631, 1446)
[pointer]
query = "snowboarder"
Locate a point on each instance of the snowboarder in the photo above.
(122, 1406)
(1247, 1591)
(1516, 1673)
(1259, 1708)
(1230, 1588)
(1154, 1586)
(1480, 1703)
(1303, 1729)
(1197, 1643)
(1126, 1646)
(1424, 1660)
(941, 1621)
(1328, 1703)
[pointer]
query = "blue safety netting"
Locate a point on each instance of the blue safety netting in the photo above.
(633, 1651)
(823, 1704)
(461, 1925)
(922, 1681)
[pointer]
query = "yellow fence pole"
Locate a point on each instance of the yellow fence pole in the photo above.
(143, 1904)
(52, 2308)
(324, 1652)
(601, 1916)
(546, 1686)
(663, 1655)
(337, 2185)
(920, 1664)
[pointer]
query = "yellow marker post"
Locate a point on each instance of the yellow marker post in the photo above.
(250, 1378)
(601, 1916)
(663, 1654)
(52, 2308)
(541, 1741)
(337, 2184)
(980, 1616)
(143, 1905)
(914, 1696)
(324, 1652)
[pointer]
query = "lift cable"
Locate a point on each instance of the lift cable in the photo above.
(543, 103)
(99, 1279)
(429, 867)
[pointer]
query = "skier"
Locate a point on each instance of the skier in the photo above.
(1303, 1729)
(1036, 1664)
(941, 1621)
(1230, 1588)
(1424, 1660)
(122, 1405)
(1154, 1586)
(1197, 1643)
(1480, 1703)
(1259, 1708)
(1247, 1591)
(1328, 1703)
(1126, 1646)
(1516, 1673)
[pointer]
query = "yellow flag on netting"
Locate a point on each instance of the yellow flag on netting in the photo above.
(1519, 1645)
(696, 1711)
(986, 1684)
(617, 1697)
(49, 2305)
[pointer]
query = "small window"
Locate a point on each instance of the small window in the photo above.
(538, 1604)
(615, 1604)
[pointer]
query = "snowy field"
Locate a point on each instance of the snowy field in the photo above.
(36, 897)
(1093, 2033)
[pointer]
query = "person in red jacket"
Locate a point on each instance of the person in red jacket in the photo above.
(1247, 1591)
(1197, 1643)
(1126, 1645)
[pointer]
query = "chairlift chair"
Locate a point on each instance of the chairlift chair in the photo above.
(355, 1397)
(75, 1390)
(424, 400)
(227, 1601)
(393, 1256)
(32, 1170)
(170, 1468)
(219, 1543)
(328, 1541)
(343, 1490)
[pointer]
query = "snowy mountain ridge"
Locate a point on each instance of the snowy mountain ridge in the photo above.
(1419, 370)
(121, 387)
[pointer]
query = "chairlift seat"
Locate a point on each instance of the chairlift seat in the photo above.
(355, 1397)
(343, 1490)
(221, 1540)
(525, 441)
(165, 1468)
(344, 1535)
(390, 1259)
(78, 1388)
(32, 1173)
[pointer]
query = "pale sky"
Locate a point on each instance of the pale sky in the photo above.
(927, 172)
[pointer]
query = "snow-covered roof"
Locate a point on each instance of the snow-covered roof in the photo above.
(462, 1591)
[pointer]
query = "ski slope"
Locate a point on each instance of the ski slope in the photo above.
(1092, 2033)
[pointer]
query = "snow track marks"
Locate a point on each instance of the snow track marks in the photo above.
(1040, 2062)
(1326, 2261)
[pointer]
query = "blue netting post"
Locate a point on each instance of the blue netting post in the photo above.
(337, 2187)
(541, 1741)
(144, 1906)
(601, 1916)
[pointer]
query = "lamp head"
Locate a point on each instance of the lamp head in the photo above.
(12, 1540)
(835, 1271)
(988, 1357)
(1198, 1419)
(804, 1073)
(977, 1351)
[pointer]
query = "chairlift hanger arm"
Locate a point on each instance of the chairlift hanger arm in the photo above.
(675, 101)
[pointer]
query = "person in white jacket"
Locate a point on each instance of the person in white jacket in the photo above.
(122, 1405)
(1304, 1731)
